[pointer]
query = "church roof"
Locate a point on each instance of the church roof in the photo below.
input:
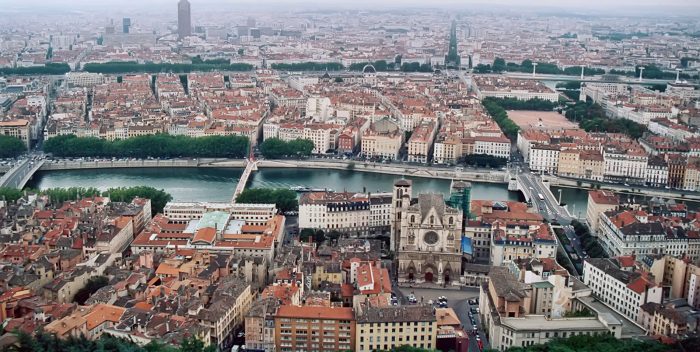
(429, 201)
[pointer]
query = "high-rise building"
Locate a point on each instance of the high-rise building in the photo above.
(184, 19)
(126, 24)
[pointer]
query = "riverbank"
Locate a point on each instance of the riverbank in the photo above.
(473, 175)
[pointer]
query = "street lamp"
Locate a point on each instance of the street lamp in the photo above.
(641, 69)
(534, 69)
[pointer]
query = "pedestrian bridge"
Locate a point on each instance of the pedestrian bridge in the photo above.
(251, 165)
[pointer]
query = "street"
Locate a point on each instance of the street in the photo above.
(458, 300)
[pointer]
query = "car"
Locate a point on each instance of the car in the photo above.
(474, 326)
(471, 301)
(241, 334)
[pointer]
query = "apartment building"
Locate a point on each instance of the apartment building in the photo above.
(625, 164)
(386, 328)
(599, 201)
(521, 242)
(516, 314)
(628, 232)
(504, 87)
(421, 142)
(544, 158)
(309, 328)
(621, 290)
(18, 128)
(355, 213)
(494, 146)
(678, 277)
(383, 139)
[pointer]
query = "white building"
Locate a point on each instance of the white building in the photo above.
(623, 291)
(345, 212)
(495, 146)
(630, 233)
(544, 158)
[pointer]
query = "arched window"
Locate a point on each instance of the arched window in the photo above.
(450, 220)
(432, 219)
(413, 218)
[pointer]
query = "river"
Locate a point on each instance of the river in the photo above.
(217, 184)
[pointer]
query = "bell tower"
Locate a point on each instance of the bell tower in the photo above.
(400, 200)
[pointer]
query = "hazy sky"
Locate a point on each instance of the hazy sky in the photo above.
(661, 8)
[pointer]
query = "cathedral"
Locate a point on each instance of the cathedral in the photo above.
(426, 235)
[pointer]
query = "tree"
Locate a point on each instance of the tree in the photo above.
(315, 235)
(309, 66)
(500, 115)
(499, 65)
(42, 341)
(284, 199)
(275, 148)
(157, 146)
(11, 147)
(150, 67)
(159, 198)
(241, 51)
(10, 194)
(47, 69)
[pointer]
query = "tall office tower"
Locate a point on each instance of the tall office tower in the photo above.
(250, 22)
(126, 24)
(184, 19)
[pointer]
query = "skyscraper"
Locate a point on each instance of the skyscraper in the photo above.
(184, 20)
(126, 24)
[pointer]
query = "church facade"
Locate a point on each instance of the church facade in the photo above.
(427, 236)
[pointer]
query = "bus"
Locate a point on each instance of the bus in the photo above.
(540, 196)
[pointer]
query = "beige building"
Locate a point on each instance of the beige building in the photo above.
(592, 165)
(515, 313)
(260, 325)
(599, 201)
(569, 163)
(421, 142)
(18, 128)
(309, 328)
(227, 309)
(678, 278)
(386, 328)
(447, 151)
(383, 139)
(691, 179)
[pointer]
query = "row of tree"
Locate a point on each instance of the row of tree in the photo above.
(309, 66)
(157, 146)
(379, 66)
(275, 148)
(589, 243)
(284, 199)
(150, 67)
(11, 147)
(499, 114)
(47, 69)
(45, 342)
(159, 198)
(536, 104)
(591, 117)
(500, 65)
(485, 160)
(652, 72)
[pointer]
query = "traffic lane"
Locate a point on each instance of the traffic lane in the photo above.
(480, 330)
